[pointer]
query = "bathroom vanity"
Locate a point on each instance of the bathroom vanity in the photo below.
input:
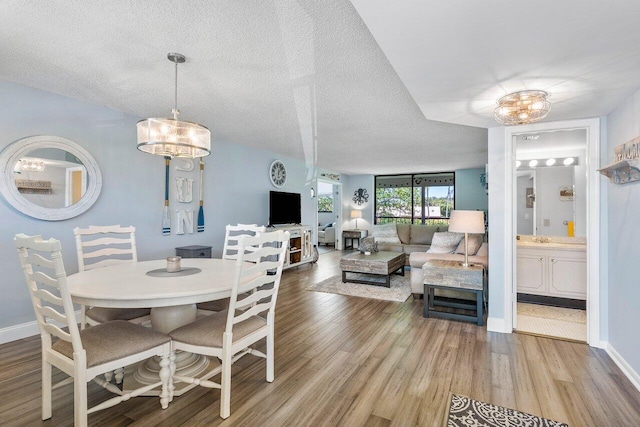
(552, 268)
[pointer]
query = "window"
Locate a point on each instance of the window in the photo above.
(426, 198)
(325, 203)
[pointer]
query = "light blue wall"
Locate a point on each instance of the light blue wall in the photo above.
(470, 193)
(356, 182)
(623, 203)
(236, 186)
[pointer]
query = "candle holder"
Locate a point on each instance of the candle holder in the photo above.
(173, 264)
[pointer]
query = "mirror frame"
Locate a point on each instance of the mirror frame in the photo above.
(20, 148)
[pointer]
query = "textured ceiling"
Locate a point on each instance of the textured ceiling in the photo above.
(302, 78)
(457, 58)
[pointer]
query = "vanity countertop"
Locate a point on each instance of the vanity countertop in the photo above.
(552, 245)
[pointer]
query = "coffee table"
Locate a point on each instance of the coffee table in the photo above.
(382, 263)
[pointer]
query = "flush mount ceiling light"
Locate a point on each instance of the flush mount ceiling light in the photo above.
(173, 137)
(31, 165)
(526, 106)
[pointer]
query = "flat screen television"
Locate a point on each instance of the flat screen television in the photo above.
(284, 208)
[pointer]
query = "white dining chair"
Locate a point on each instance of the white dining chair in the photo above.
(230, 251)
(84, 354)
(228, 334)
(100, 246)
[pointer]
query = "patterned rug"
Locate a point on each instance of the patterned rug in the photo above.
(466, 412)
(399, 291)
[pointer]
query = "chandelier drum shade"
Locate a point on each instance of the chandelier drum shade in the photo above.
(526, 106)
(173, 137)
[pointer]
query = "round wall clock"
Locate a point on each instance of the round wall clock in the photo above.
(278, 173)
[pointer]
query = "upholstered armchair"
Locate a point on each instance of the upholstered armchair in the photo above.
(327, 236)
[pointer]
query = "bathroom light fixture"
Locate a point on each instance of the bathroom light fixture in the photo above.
(173, 137)
(526, 106)
(28, 165)
(551, 162)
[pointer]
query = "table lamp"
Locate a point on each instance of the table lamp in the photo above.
(466, 222)
(356, 213)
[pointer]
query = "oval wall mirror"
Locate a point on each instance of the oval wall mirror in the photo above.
(49, 177)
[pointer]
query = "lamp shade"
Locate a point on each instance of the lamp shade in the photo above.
(173, 138)
(356, 213)
(466, 222)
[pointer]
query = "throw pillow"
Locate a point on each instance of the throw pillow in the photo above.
(368, 244)
(484, 250)
(445, 243)
(386, 234)
(475, 241)
(327, 226)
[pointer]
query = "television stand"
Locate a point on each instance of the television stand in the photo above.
(300, 248)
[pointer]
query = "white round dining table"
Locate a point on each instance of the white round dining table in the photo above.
(171, 297)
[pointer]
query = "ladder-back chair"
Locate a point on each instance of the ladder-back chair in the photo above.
(100, 246)
(230, 251)
(83, 354)
(228, 334)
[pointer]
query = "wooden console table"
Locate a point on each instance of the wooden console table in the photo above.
(451, 275)
(352, 235)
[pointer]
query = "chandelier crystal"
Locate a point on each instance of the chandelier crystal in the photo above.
(173, 137)
(526, 106)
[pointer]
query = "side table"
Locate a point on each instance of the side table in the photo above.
(352, 235)
(451, 275)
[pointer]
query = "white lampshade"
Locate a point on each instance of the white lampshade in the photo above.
(356, 213)
(466, 222)
(173, 138)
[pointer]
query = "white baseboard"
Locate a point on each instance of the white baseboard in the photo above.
(497, 324)
(23, 330)
(18, 332)
(624, 366)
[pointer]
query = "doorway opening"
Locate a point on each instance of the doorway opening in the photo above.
(329, 216)
(551, 262)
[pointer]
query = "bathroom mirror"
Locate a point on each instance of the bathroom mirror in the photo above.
(551, 183)
(49, 177)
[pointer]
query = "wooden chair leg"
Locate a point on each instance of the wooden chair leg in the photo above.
(225, 392)
(46, 389)
(270, 364)
(80, 417)
(165, 376)
(172, 368)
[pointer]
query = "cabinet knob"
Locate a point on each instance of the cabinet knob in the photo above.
(540, 259)
(553, 260)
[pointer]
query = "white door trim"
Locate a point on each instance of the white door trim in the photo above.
(336, 203)
(593, 220)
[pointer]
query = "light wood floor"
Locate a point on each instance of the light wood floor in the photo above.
(353, 361)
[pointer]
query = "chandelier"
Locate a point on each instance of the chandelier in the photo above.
(173, 137)
(526, 106)
(31, 165)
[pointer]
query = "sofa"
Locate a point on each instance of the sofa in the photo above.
(327, 235)
(416, 239)
(412, 237)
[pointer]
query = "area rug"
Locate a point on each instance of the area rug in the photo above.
(399, 291)
(466, 412)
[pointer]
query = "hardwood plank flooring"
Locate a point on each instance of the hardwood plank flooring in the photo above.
(346, 361)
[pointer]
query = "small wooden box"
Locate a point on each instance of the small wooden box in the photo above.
(194, 251)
